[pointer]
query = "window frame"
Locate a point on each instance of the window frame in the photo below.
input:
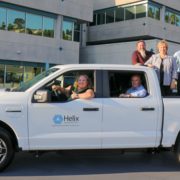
(112, 10)
(73, 21)
(96, 83)
(7, 19)
(5, 13)
(106, 82)
(154, 6)
(42, 14)
(169, 11)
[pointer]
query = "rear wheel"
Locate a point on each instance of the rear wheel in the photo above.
(177, 152)
(6, 149)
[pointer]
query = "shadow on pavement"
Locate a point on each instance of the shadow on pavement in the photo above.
(84, 163)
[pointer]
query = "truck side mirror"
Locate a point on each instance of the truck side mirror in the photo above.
(42, 96)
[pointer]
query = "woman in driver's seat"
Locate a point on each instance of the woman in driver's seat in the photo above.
(82, 91)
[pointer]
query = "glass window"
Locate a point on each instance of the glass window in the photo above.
(120, 82)
(150, 11)
(14, 75)
(2, 18)
(119, 14)
(1, 75)
(25, 85)
(100, 18)
(33, 24)
(110, 15)
(77, 26)
(129, 13)
(16, 21)
(94, 21)
(48, 27)
(157, 13)
(71, 30)
(178, 20)
(77, 31)
(29, 73)
(76, 36)
(153, 12)
(172, 18)
(69, 81)
(68, 30)
(141, 11)
(167, 16)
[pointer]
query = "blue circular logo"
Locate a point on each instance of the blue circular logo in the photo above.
(58, 119)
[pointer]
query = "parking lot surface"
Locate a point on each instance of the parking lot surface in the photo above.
(93, 165)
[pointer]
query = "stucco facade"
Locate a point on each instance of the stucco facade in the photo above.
(117, 53)
(114, 42)
(24, 47)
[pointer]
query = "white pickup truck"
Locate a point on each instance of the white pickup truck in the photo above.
(34, 118)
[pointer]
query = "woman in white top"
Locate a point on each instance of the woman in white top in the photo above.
(165, 67)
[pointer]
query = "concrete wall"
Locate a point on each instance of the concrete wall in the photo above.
(79, 9)
(175, 4)
(134, 28)
(101, 4)
(117, 53)
(22, 47)
(118, 30)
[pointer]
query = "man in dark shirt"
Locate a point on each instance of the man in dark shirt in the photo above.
(141, 55)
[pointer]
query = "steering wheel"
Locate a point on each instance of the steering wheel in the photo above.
(57, 96)
(56, 93)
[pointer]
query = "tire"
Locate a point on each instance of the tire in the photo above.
(177, 153)
(6, 149)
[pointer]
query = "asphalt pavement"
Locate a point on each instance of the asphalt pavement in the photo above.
(93, 165)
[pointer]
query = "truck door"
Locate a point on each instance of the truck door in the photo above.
(74, 124)
(128, 122)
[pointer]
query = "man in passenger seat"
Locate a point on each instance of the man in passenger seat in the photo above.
(137, 89)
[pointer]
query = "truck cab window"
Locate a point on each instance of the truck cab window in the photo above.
(126, 84)
(62, 87)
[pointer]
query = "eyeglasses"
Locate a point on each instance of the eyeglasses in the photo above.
(134, 80)
(82, 80)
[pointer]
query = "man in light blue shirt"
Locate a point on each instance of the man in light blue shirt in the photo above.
(137, 89)
(177, 57)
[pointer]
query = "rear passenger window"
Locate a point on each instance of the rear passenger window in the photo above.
(125, 83)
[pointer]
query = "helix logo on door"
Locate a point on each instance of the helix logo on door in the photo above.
(65, 120)
(58, 119)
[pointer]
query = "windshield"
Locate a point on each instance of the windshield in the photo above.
(26, 85)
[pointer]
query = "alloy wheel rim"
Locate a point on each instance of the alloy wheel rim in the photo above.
(3, 150)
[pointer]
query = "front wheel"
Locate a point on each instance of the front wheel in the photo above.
(6, 149)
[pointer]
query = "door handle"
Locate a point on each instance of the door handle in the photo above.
(13, 111)
(90, 109)
(147, 109)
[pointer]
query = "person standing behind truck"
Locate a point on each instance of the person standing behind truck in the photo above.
(177, 58)
(141, 55)
(165, 67)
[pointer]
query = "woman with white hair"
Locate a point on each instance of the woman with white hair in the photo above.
(165, 67)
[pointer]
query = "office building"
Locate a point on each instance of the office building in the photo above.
(118, 24)
(37, 34)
